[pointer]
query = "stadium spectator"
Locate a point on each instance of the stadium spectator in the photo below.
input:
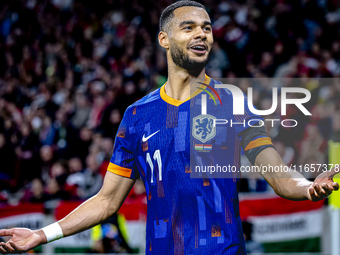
(92, 180)
(38, 194)
(70, 68)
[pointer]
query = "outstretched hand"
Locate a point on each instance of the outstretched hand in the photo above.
(22, 240)
(323, 185)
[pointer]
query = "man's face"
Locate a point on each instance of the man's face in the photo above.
(190, 38)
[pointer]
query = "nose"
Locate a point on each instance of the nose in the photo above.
(200, 34)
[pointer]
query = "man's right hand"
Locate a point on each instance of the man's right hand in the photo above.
(90, 213)
(22, 240)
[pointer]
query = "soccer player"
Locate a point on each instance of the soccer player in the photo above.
(185, 215)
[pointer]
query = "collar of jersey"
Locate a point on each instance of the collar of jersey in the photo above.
(176, 102)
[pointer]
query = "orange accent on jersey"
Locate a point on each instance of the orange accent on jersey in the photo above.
(145, 146)
(176, 102)
(187, 170)
(206, 182)
(258, 142)
(216, 231)
(206, 81)
(121, 133)
(122, 171)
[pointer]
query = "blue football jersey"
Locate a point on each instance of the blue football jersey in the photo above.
(156, 142)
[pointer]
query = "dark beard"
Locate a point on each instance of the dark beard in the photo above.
(183, 60)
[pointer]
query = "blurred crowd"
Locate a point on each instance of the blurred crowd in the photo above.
(69, 69)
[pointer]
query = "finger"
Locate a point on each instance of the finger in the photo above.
(17, 247)
(2, 250)
(3, 245)
(334, 171)
(335, 186)
(6, 232)
(8, 247)
(312, 194)
(317, 195)
(320, 192)
(328, 190)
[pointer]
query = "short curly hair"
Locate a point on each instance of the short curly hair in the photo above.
(168, 12)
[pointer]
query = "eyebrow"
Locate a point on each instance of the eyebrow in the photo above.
(190, 22)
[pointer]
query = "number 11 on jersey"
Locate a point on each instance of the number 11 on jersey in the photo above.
(158, 159)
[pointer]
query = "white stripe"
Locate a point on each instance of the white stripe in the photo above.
(276, 228)
(204, 104)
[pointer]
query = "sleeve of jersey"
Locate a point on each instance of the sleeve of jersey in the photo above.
(122, 161)
(254, 140)
(250, 127)
(246, 120)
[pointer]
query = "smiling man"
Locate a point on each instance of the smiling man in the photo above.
(185, 215)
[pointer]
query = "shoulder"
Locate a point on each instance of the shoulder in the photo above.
(146, 101)
(149, 98)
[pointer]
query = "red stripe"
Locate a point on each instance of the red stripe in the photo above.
(8, 211)
(65, 208)
(275, 206)
(211, 88)
(132, 209)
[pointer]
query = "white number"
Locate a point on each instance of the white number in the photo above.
(149, 160)
(157, 157)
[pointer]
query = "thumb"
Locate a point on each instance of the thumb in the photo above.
(334, 171)
(330, 173)
(6, 232)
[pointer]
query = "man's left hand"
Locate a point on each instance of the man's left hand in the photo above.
(323, 185)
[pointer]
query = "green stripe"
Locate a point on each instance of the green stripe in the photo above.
(302, 245)
(209, 94)
(72, 250)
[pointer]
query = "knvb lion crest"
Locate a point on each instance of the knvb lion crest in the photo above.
(203, 127)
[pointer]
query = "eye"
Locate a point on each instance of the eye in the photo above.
(207, 28)
(187, 28)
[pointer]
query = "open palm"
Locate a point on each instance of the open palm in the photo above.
(323, 185)
(22, 239)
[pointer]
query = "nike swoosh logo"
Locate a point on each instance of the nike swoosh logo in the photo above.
(144, 139)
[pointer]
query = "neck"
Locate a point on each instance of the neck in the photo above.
(178, 84)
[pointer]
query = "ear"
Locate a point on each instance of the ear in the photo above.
(163, 39)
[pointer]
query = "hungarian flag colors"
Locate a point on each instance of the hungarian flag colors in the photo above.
(282, 225)
(334, 152)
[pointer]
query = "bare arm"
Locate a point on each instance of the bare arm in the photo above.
(99, 207)
(292, 185)
(90, 213)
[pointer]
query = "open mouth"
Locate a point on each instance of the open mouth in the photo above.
(199, 49)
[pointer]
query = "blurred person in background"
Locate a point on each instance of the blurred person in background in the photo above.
(46, 161)
(7, 157)
(52, 50)
(47, 132)
(183, 62)
(37, 192)
(81, 111)
(26, 151)
(91, 179)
